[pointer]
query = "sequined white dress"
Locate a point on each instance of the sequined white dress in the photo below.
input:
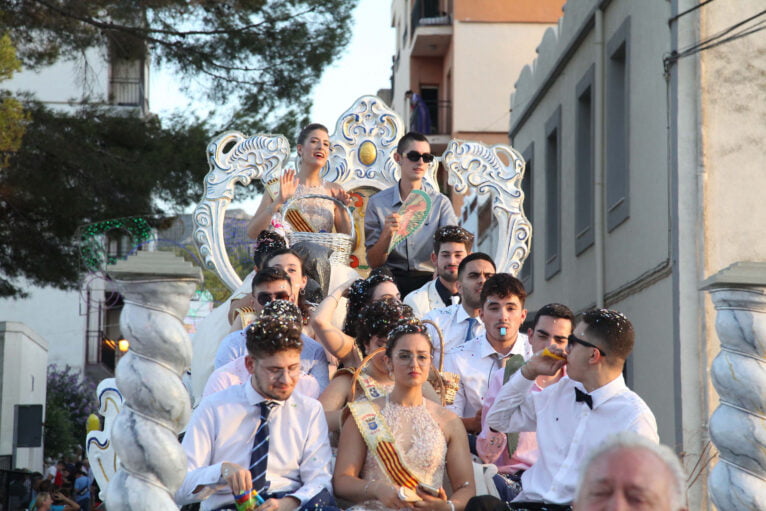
(419, 441)
(320, 213)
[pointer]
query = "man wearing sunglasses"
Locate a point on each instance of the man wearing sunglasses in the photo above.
(575, 415)
(410, 260)
(271, 284)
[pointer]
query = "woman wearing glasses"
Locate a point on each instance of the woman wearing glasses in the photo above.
(394, 452)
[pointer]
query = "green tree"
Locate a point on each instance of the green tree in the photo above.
(69, 401)
(12, 117)
(79, 169)
(256, 59)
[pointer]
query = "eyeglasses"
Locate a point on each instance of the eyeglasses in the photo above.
(275, 373)
(415, 156)
(405, 357)
(573, 339)
(263, 297)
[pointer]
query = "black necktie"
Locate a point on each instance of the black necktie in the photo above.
(260, 452)
(584, 397)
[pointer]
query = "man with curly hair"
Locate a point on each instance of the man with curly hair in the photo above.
(260, 435)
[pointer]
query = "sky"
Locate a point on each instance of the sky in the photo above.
(363, 67)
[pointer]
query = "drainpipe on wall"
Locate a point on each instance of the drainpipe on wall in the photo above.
(598, 167)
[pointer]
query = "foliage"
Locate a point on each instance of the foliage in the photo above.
(79, 169)
(12, 117)
(69, 401)
(258, 59)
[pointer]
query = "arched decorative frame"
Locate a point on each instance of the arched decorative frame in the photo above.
(496, 171)
(362, 156)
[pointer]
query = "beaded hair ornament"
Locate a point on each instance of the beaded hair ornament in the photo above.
(358, 295)
(408, 326)
(267, 242)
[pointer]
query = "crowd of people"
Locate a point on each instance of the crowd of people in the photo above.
(65, 485)
(329, 395)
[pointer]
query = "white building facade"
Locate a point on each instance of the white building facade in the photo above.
(643, 179)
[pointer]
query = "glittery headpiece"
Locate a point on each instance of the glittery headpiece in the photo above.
(359, 294)
(265, 243)
(379, 318)
(406, 326)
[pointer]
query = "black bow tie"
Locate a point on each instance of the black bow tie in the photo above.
(584, 397)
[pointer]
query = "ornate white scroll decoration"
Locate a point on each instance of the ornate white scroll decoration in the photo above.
(738, 425)
(103, 458)
(157, 405)
(363, 147)
(497, 171)
(233, 159)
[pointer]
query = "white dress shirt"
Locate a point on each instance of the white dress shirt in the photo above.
(223, 428)
(567, 430)
(313, 357)
(453, 322)
(475, 361)
(236, 373)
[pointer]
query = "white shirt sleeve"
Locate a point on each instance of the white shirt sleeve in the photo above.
(514, 406)
(228, 351)
(315, 466)
(198, 447)
(458, 405)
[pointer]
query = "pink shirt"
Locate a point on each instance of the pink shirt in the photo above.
(491, 445)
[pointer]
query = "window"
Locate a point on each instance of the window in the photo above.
(584, 152)
(553, 194)
(617, 117)
(526, 186)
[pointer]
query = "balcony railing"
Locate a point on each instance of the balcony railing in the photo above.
(126, 92)
(440, 113)
(426, 12)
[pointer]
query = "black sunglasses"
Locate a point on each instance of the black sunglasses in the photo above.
(414, 156)
(572, 339)
(263, 297)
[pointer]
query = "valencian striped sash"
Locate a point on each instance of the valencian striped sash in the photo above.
(380, 441)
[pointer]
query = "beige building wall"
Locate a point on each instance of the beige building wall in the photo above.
(487, 43)
(488, 58)
(733, 113)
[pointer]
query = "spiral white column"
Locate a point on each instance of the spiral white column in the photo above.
(738, 425)
(157, 288)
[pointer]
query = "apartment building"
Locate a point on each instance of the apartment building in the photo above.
(638, 122)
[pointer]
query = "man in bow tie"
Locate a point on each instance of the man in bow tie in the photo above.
(261, 435)
(575, 415)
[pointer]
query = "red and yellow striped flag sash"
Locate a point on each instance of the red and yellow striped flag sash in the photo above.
(380, 441)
